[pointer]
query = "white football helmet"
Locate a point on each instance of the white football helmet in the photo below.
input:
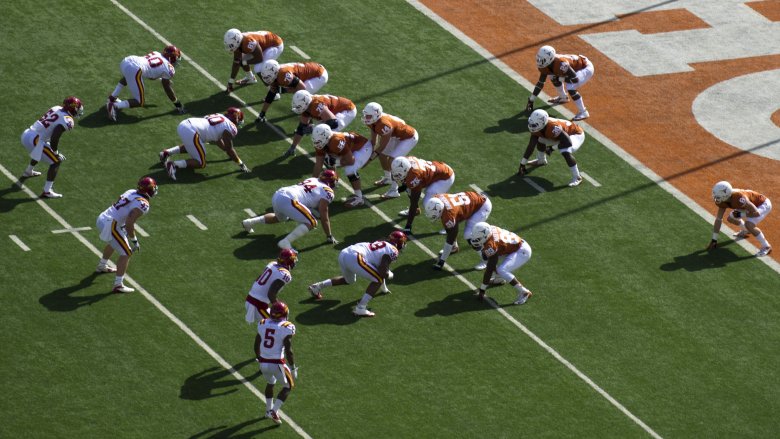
(232, 39)
(320, 135)
(268, 71)
(372, 113)
(434, 208)
(479, 234)
(399, 168)
(538, 120)
(300, 101)
(545, 56)
(721, 191)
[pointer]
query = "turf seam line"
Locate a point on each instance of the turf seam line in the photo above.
(19, 242)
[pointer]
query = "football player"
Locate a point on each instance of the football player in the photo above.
(296, 203)
(269, 284)
(415, 175)
(42, 141)
(453, 209)
(369, 260)
(573, 70)
(250, 49)
(395, 139)
(289, 78)
(154, 65)
(498, 245)
(116, 226)
(334, 111)
(548, 132)
(195, 132)
(273, 350)
(350, 150)
(748, 209)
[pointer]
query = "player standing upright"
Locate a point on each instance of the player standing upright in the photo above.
(273, 350)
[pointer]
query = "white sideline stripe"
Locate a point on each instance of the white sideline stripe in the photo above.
(590, 179)
(596, 134)
(19, 242)
(514, 75)
(74, 230)
(534, 185)
(197, 223)
(250, 212)
(476, 188)
(141, 231)
(300, 52)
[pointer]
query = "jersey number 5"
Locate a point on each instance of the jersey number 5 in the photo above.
(268, 339)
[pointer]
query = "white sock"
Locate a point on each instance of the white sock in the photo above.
(541, 157)
(388, 175)
(29, 169)
(122, 104)
(256, 220)
(393, 186)
(117, 90)
(47, 186)
(269, 403)
(180, 163)
(364, 301)
(326, 283)
(520, 288)
(103, 262)
(297, 232)
(580, 104)
(119, 280)
(359, 193)
(174, 150)
(575, 172)
(760, 237)
(561, 91)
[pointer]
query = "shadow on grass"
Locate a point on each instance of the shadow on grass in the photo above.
(61, 300)
(7, 205)
(515, 124)
(128, 116)
(330, 311)
(234, 432)
(464, 301)
(409, 274)
(215, 381)
(703, 259)
(257, 247)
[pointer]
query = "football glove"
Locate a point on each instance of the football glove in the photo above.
(295, 372)
(179, 107)
(332, 240)
(530, 106)
(243, 167)
(61, 156)
(135, 245)
(230, 86)
(407, 230)
(261, 117)
(480, 295)
(523, 170)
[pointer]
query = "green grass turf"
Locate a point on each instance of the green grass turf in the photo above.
(684, 339)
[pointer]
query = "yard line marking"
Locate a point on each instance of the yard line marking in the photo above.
(141, 231)
(197, 223)
(148, 296)
(19, 242)
(534, 185)
(250, 212)
(590, 179)
(476, 188)
(301, 432)
(366, 197)
(73, 230)
(300, 52)
(596, 134)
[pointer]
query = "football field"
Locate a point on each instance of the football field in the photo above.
(633, 329)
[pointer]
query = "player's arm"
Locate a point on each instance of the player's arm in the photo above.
(288, 352)
(325, 218)
(532, 142)
(258, 339)
(274, 289)
(304, 127)
(168, 87)
(752, 210)
(225, 143)
(54, 142)
(414, 201)
(564, 141)
(383, 141)
(537, 89)
(319, 160)
(716, 228)
(384, 266)
(374, 136)
(255, 57)
(492, 261)
(452, 235)
(130, 223)
(571, 77)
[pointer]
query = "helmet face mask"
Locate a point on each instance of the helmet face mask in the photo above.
(73, 106)
(372, 113)
(288, 258)
(321, 135)
(172, 54)
(434, 208)
(545, 56)
(479, 235)
(268, 71)
(538, 120)
(722, 191)
(236, 116)
(399, 168)
(300, 101)
(279, 311)
(398, 239)
(147, 186)
(232, 40)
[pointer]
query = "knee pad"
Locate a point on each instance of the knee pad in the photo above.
(574, 95)
(556, 82)
(353, 178)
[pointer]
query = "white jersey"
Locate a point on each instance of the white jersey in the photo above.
(273, 332)
(309, 192)
(128, 201)
(211, 127)
(53, 118)
(273, 272)
(372, 252)
(152, 65)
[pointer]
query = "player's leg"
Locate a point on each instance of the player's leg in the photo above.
(53, 159)
(301, 215)
(576, 178)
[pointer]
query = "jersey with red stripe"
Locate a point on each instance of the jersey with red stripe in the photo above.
(128, 201)
(309, 192)
(210, 128)
(273, 332)
(53, 118)
(372, 252)
(153, 65)
(273, 272)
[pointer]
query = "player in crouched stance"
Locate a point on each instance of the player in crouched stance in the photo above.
(453, 209)
(548, 132)
(349, 150)
(116, 226)
(751, 205)
(269, 284)
(296, 203)
(273, 349)
(369, 260)
(496, 244)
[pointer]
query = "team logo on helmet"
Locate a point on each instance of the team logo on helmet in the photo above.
(372, 113)
(722, 191)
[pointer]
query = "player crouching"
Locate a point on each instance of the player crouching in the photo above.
(495, 243)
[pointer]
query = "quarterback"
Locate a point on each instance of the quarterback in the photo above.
(273, 350)
(269, 284)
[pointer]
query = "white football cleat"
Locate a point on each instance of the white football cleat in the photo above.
(32, 173)
(171, 168)
(285, 244)
(277, 96)
(121, 288)
(404, 212)
(111, 108)
(443, 232)
(497, 280)
(481, 265)
(248, 80)
(105, 268)
(247, 226)
(558, 100)
(742, 234)
(316, 291)
(163, 156)
(51, 194)
(362, 311)
(383, 289)
(390, 194)
(764, 251)
(455, 249)
(575, 181)
(354, 201)
(523, 297)
(581, 115)
(272, 415)
(384, 181)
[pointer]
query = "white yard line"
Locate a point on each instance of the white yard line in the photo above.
(74, 230)
(197, 222)
(250, 212)
(300, 52)
(534, 185)
(141, 231)
(590, 179)
(476, 188)
(19, 242)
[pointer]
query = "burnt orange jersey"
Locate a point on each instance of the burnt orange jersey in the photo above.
(395, 126)
(424, 172)
(501, 242)
(302, 71)
(563, 64)
(333, 103)
(555, 127)
(740, 197)
(264, 39)
(343, 145)
(459, 207)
